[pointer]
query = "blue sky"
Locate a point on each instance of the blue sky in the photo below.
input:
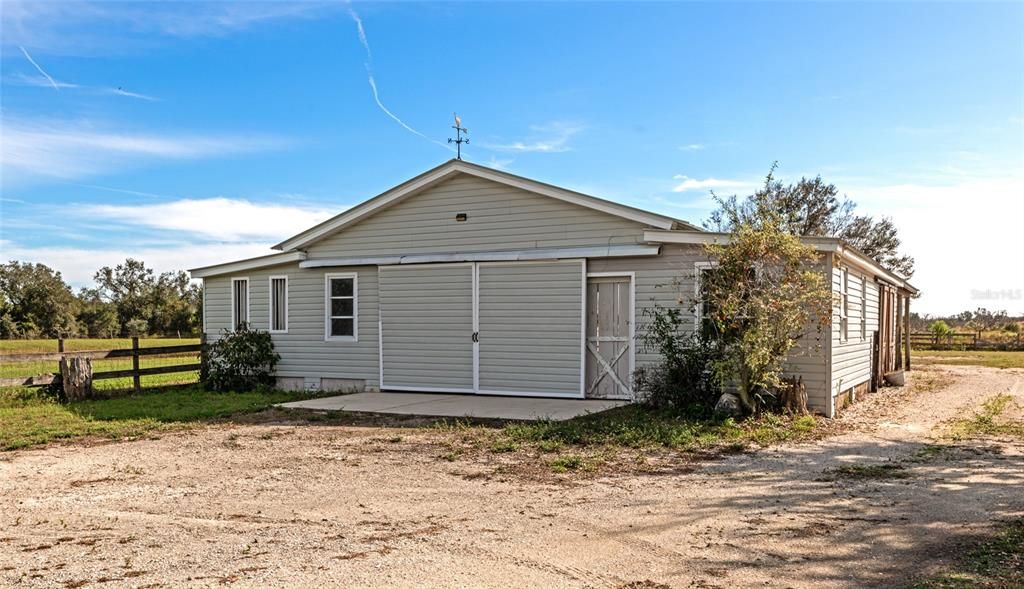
(193, 133)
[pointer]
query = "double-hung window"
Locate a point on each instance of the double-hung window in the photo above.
(341, 307)
(704, 271)
(844, 306)
(278, 304)
(239, 302)
(864, 308)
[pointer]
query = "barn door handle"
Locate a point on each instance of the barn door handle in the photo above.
(476, 336)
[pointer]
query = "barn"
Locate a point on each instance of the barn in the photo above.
(467, 279)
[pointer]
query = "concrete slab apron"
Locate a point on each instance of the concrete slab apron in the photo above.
(452, 405)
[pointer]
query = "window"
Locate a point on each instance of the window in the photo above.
(844, 306)
(239, 302)
(278, 304)
(864, 309)
(704, 309)
(341, 307)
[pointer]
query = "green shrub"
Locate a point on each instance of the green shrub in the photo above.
(684, 378)
(240, 361)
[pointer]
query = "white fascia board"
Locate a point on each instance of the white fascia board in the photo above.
(359, 211)
(566, 253)
(249, 264)
(844, 252)
(590, 202)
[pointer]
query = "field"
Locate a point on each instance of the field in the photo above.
(25, 369)
(990, 359)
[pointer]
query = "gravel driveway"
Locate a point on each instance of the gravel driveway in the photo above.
(311, 505)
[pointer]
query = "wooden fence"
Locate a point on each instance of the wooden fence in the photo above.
(135, 372)
(924, 340)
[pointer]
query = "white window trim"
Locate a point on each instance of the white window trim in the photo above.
(864, 308)
(270, 300)
(248, 302)
(355, 308)
(844, 305)
(699, 267)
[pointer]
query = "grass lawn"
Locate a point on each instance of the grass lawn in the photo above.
(991, 359)
(28, 418)
(997, 563)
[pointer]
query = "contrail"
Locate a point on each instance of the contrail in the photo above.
(362, 32)
(373, 82)
(41, 70)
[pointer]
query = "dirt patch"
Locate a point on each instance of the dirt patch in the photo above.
(276, 501)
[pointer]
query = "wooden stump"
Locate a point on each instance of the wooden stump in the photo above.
(76, 377)
(794, 395)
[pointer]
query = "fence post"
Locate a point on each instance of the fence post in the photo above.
(60, 345)
(136, 381)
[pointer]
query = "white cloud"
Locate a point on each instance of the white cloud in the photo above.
(965, 236)
(552, 137)
(78, 265)
(68, 27)
(687, 184)
(220, 219)
(73, 150)
(693, 147)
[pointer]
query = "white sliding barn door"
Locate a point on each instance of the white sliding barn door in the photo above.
(530, 318)
(427, 327)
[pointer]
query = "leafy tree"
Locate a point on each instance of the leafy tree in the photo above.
(129, 287)
(96, 317)
(176, 304)
(813, 208)
(940, 328)
(984, 320)
(763, 296)
(35, 302)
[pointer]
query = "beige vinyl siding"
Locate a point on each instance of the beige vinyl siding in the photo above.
(531, 327)
(427, 320)
(304, 353)
(668, 280)
(851, 356)
(499, 218)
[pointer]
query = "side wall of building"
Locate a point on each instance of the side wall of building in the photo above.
(852, 341)
(304, 352)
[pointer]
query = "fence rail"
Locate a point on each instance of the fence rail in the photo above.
(924, 340)
(134, 353)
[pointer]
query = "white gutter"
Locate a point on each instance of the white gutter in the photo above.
(561, 253)
(249, 264)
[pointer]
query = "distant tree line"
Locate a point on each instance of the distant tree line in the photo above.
(126, 300)
(979, 321)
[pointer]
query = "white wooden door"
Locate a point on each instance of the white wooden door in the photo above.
(609, 369)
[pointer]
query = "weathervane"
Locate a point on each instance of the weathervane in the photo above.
(459, 139)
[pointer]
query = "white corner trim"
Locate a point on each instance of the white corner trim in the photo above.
(270, 301)
(355, 308)
(249, 264)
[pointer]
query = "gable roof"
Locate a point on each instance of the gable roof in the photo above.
(452, 167)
